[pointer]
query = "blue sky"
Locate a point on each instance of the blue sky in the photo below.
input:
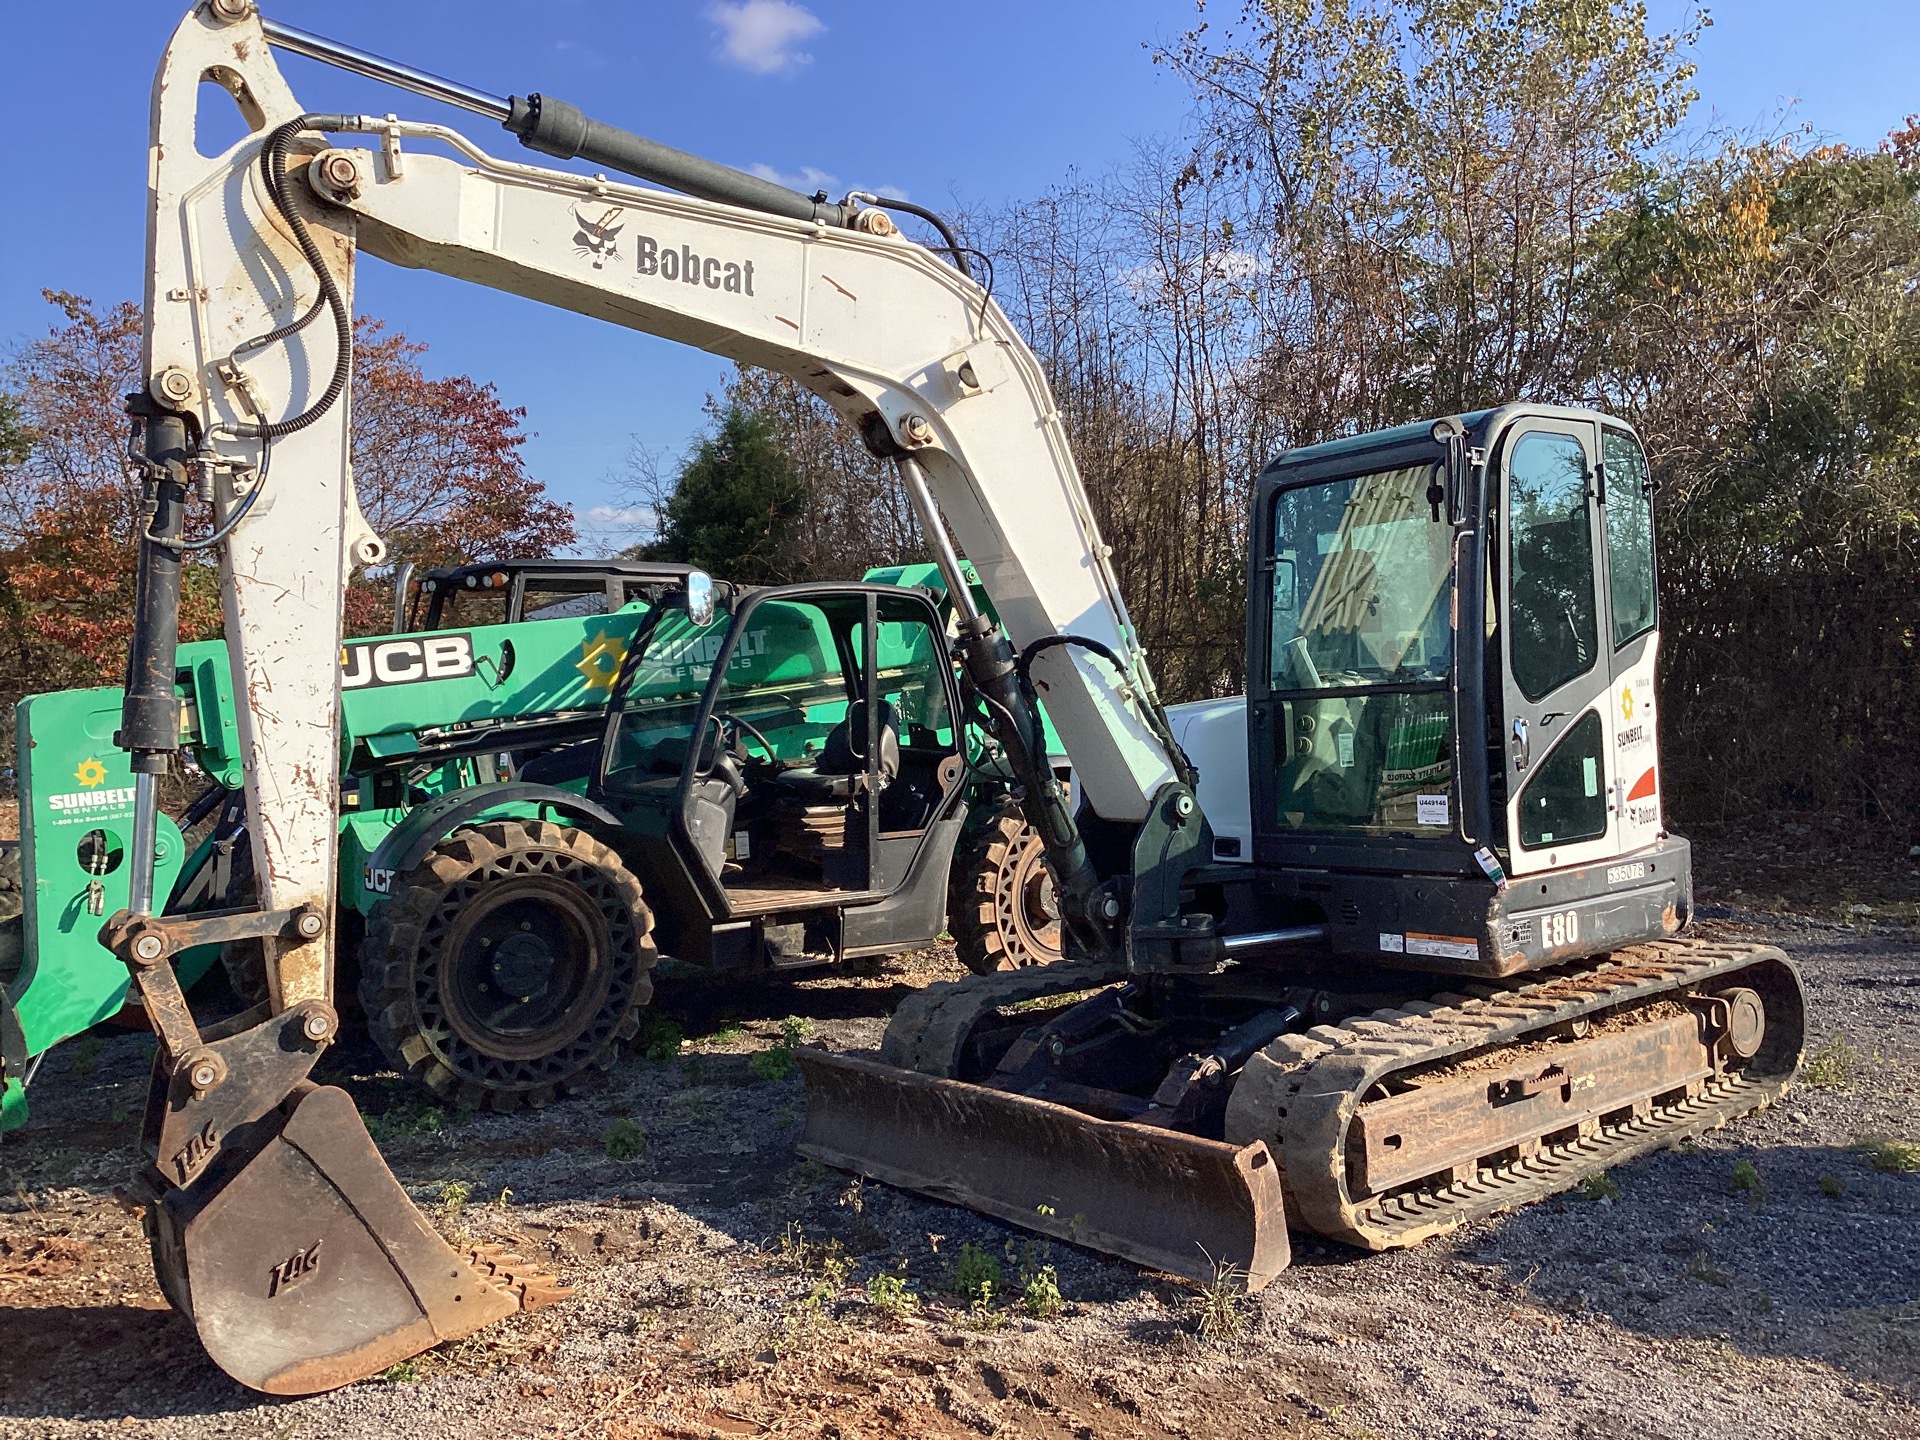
(988, 101)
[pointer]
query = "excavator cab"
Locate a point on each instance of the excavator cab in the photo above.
(788, 773)
(1451, 686)
(1441, 975)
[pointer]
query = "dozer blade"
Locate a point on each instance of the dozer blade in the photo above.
(304, 1266)
(1166, 1200)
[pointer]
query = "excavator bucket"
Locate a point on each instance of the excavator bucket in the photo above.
(1169, 1201)
(304, 1266)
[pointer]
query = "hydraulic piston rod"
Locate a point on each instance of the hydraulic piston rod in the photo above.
(553, 127)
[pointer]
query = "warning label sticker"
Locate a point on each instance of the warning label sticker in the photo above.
(1450, 947)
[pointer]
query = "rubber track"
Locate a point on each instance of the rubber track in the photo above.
(928, 1033)
(1300, 1094)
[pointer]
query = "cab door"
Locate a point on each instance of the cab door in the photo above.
(1626, 503)
(1557, 675)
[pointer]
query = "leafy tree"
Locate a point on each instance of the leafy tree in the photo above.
(438, 465)
(1764, 324)
(735, 507)
(14, 435)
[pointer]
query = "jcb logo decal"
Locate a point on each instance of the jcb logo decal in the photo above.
(406, 662)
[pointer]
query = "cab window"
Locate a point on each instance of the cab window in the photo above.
(1555, 634)
(1629, 537)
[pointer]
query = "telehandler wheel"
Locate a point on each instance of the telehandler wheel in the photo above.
(1003, 910)
(509, 965)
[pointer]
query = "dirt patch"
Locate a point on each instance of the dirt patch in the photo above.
(723, 1287)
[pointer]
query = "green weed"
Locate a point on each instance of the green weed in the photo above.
(1600, 1186)
(1040, 1297)
(889, 1294)
(405, 1117)
(980, 1314)
(776, 1064)
(454, 1197)
(624, 1140)
(1832, 1186)
(1890, 1157)
(976, 1274)
(1701, 1267)
(772, 1065)
(1831, 1066)
(1223, 1304)
(1745, 1176)
(84, 1053)
(660, 1039)
(794, 1030)
(405, 1373)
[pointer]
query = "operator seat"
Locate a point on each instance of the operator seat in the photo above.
(836, 775)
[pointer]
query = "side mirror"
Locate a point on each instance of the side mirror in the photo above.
(700, 597)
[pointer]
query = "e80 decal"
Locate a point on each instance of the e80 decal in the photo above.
(1560, 928)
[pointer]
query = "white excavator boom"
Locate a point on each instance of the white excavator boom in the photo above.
(275, 1223)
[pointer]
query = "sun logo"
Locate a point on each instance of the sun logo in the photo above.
(600, 660)
(90, 772)
(1626, 702)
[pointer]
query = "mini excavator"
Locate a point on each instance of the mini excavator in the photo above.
(1407, 955)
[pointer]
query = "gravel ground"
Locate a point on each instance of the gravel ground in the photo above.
(721, 1283)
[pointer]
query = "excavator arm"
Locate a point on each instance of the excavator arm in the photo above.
(274, 1222)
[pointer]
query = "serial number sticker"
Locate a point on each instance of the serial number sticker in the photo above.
(1451, 947)
(1432, 810)
(1620, 874)
(1394, 944)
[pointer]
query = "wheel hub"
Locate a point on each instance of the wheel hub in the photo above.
(522, 965)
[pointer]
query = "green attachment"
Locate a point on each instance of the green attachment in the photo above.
(76, 819)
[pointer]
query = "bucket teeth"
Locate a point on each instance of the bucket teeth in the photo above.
(528, 1285)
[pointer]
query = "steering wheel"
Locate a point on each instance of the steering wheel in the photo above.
(739, 726)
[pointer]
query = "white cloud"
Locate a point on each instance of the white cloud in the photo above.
(763, 35)
(1150, 280)
(605, 529)
(811, 178)
(807, 178)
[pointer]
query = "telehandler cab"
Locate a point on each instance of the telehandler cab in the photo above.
(1439, 616)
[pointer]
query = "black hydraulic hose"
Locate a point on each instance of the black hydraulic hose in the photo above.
(1155, 718)
(948, 238)
(273, 162)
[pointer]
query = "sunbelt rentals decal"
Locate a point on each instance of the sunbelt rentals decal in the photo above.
(95, 797)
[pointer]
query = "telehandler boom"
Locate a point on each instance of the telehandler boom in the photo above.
(1229, 1026)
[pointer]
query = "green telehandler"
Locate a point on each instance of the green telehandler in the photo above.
(495, 681)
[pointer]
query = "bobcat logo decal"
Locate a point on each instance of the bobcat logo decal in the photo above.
(600, 238)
